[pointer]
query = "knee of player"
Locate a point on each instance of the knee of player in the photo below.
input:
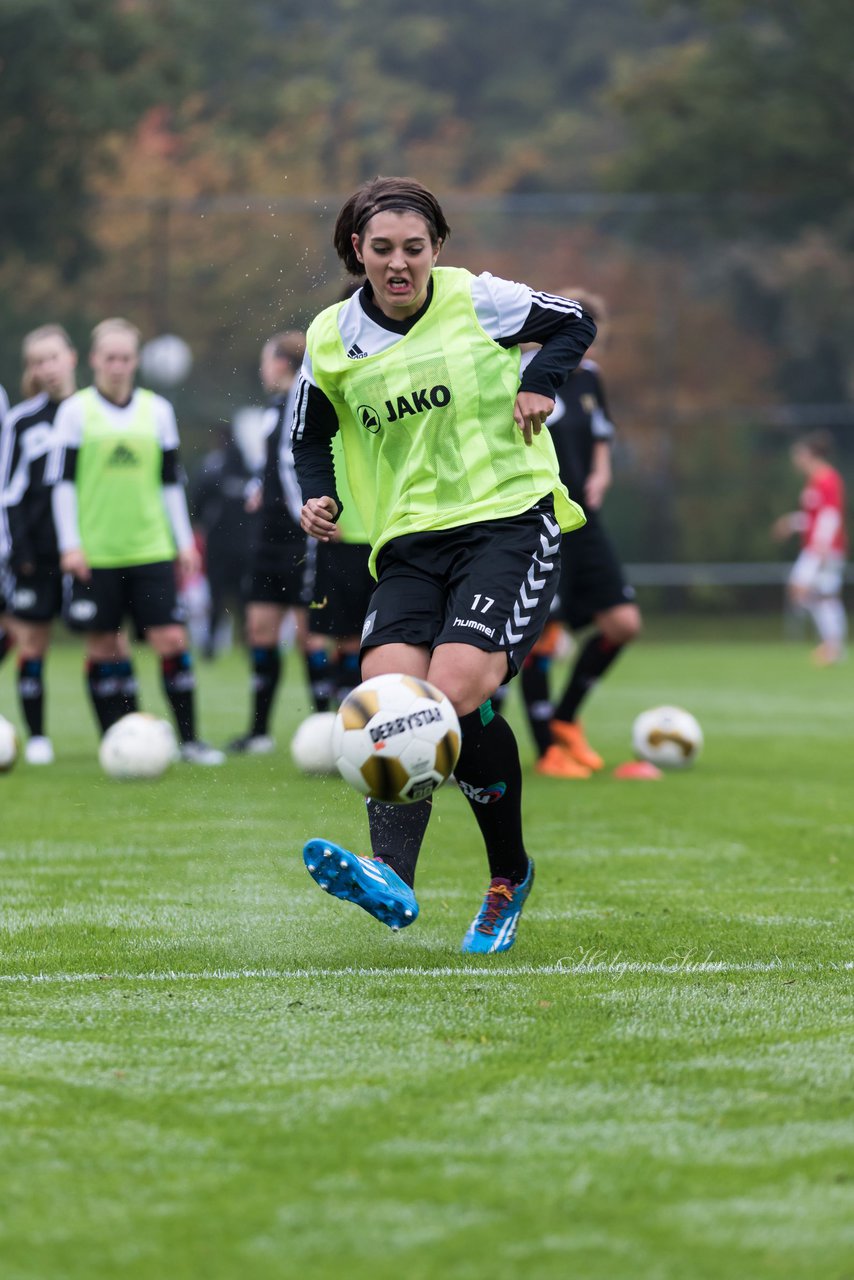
(622, 624)
(167, 642)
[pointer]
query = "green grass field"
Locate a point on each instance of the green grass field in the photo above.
(211, 1069)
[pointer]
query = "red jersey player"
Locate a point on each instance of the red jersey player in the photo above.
(815, 582)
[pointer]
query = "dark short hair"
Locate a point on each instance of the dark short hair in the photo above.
(381, 195)
(288, 346)
(820, 443)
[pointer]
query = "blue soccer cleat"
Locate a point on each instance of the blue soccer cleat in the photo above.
(366, 881)
(494, 927)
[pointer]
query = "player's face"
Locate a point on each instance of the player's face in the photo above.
(273, 371)
(114, 360)
(52, 363)
(398, 256)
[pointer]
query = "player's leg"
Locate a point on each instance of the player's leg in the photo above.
(7, 624)
(498, 607)
(33, 644)
(152, 601)
(94, 608)
(596, 592)
(263, 625)
(36, 601)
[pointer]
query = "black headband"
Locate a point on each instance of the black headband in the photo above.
(395, 204)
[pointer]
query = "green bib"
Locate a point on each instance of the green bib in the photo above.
(427, 427)
(119, 486)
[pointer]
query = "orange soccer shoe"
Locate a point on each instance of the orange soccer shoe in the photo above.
(571, 737)
(557, 764)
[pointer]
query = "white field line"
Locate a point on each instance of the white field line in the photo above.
(614, 968)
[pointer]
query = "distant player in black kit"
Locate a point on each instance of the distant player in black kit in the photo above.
(6, 640)
(592, 588)
(50, 363)
(280, 570)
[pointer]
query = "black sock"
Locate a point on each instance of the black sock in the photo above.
(129, 686)
(593, 661)
(348, 673)
(179, 683)
(320, 678)
(31, 694)
(105, 691)
(535, 694)
(6, 643)
(266, 673)
(397, 832)
(490, 777)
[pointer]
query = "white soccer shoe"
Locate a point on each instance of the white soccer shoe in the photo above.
(39, 750)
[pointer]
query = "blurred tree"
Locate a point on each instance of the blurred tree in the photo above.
(70, 72)
(759, 104)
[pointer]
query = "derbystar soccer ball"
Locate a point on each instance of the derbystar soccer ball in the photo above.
(8, 745)
(667, 736)
(138, 746)
(396, 738)
(311, 745)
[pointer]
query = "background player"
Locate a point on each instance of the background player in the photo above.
(120, 513)
(280, 570)
(50, 363)
(592, 589)
(815, 582)
(6, 640)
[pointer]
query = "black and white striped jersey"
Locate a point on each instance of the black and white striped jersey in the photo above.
(579, 419)
(26, 440)
(282, 500)
(510, 313)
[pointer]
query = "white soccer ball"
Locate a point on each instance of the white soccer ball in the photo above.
(396, 738)
(311, 745)
(8, 745)
(166, 361)
(138, 746)
(667, 736)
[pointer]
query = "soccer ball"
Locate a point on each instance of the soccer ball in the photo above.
(396, 738)
(8, 745)
(138, 746)
(311, 745)
(667, 736)
(166, 360)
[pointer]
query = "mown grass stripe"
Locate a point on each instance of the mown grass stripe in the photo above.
(652, 968)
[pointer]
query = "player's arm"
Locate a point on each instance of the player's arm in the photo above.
(792, 522)
(598, 481)
(60, 474)
(14, 482)
(314, 425)
(514, 313)
(174, 491)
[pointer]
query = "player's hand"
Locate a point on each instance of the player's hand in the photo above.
(318, 518)
(782, 528)
(595, 488)
(75, 563)
(530, 413)
(189, 561)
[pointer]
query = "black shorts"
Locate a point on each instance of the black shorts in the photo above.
(591, 576)
(489, 585)
(342, 588)
(147, 593)
(281, 573)
(37, 596)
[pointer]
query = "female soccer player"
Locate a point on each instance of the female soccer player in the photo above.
(815, 583)
(459, 490)
(50, 363)
(121, 522)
